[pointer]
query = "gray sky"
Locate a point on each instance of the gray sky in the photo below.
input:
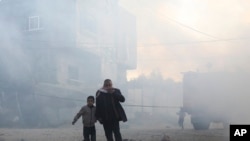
(176, 36)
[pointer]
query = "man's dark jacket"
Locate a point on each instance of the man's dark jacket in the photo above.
(106, 102)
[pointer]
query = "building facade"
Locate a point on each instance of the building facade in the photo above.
(62, 48)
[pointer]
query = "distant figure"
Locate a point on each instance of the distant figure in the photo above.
(182, 115)
(88, 119)
(109, 111)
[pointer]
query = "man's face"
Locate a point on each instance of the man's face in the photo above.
(108, 85)
(90, 102)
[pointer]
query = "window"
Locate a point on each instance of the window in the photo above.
(34, 23)
(73, 73)
(88, 23)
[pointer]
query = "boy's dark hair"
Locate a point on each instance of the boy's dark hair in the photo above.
(91, 97)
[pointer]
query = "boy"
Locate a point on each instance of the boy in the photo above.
(88, 119)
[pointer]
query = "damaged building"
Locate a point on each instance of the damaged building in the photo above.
(53, 54)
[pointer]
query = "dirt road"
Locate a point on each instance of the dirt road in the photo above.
(74, 133)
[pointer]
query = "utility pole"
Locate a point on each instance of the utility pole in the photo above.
(142, 92)
(18, 106)
(2, 100)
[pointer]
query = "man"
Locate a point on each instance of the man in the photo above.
(109, 111)
(182, 115)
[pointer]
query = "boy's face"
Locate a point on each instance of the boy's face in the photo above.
(90, 102)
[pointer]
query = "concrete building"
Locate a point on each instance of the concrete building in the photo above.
(64, 48)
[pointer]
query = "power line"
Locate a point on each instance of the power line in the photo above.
(151, 11)
(94, 45)
(150, 106)
(56, 97)
(191, 28)
(192, 42)
(183, 25)
(126, 105)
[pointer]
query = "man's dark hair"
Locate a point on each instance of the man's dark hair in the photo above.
(106, 81)
(91, 97)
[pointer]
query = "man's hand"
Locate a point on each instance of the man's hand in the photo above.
(73, 122)
(110, 90)
(100, 121)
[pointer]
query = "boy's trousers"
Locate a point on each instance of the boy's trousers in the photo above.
(89, 133)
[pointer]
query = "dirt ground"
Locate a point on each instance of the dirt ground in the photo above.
(74, 133)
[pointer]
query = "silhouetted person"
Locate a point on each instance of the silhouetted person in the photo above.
(109, 110)
(87, 113)
(182, 115)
